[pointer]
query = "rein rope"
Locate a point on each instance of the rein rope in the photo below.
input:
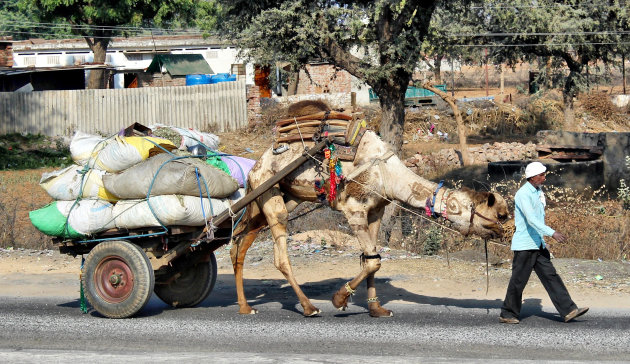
(430, 211)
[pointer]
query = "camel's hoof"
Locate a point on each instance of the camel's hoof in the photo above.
(248, 311)
(377, 310)
(312, 313)
(340, 300)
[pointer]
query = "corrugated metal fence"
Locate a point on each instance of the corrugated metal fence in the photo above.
(215, 107)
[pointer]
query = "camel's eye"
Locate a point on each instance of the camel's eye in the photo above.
(502, 217)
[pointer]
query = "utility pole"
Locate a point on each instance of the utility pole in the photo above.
(487, 91)
(623, 71)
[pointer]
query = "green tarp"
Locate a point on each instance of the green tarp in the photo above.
(180, 64)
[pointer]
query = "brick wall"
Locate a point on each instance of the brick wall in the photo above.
(160, 80)
(6, 54)
(253, 104)
(324, 79)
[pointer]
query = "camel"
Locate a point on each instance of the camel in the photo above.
(378, 176)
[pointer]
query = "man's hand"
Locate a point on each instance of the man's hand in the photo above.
(559, 237)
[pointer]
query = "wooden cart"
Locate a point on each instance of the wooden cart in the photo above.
(124, 267)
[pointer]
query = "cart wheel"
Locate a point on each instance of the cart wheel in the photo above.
(118, 279)
(192, 287)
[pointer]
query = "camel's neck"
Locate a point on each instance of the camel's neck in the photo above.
(405, 186)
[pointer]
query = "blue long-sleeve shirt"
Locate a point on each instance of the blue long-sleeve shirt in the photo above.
(529, 219)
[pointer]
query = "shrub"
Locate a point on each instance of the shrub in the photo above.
(623, 192)
(434, 239)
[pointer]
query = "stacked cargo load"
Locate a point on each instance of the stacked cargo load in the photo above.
(130, 182)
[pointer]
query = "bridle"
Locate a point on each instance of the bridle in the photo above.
(474, 212)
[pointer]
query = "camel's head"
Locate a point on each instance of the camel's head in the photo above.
(489, 213)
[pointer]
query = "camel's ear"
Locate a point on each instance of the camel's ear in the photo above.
(491, 199)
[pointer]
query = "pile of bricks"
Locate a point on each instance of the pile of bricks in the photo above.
(6, 52)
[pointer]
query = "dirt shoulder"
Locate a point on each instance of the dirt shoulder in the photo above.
(403, 277)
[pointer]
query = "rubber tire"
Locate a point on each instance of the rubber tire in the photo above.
(129, 256)
(192, 287)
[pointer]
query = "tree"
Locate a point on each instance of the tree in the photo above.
(440, 43)
(378, 42)
(19, 20)
(97, 21)
(566, 36)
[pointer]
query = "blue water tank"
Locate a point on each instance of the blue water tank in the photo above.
(222, 77)
(192, 80)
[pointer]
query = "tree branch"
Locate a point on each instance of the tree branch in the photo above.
(339, 56)
(461, 128)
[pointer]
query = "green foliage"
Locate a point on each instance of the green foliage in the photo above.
(108, 17)
(433, 241)
(18, 19)
(378, 42)
(97, 21)
(32, 151)
(445, 38)
(563, 37)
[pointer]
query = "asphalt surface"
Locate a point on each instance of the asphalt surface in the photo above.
(53, 329)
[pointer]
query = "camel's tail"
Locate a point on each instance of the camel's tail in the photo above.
(248, 221)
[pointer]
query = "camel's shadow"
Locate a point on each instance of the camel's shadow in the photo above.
(266, 291)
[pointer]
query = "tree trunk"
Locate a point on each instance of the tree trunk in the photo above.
(97, 77)
(569, 112)
(568, 93)
(461, 128)
(437, 70)
(502, 85)
(294, 80)
(392, 100)
(393, 118)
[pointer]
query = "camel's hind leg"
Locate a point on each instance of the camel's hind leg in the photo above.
(365, 228)
(237, 253)
(276, 213)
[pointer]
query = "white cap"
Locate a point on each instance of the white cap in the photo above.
(534, 169)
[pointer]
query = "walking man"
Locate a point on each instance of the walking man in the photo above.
(530, 251)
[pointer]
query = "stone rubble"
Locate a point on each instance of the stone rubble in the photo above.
(450, 158)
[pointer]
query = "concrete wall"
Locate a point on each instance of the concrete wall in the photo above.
(616, 146)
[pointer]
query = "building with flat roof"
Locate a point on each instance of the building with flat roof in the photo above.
(129, 57)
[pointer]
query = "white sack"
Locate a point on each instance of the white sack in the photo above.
(65, 184)
(167, 176)
(83, 146)
(169, 209)
(192, 137)
(117, 153)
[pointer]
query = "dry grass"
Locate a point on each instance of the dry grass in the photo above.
(603, 226)
(597, 227)
(599, 105)
(20, 193)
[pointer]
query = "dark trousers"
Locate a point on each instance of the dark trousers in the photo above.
(538, 260)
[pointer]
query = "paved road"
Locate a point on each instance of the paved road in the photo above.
(52, 329)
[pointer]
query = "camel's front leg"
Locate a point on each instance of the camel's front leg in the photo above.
(277, 217)
(358, 220)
